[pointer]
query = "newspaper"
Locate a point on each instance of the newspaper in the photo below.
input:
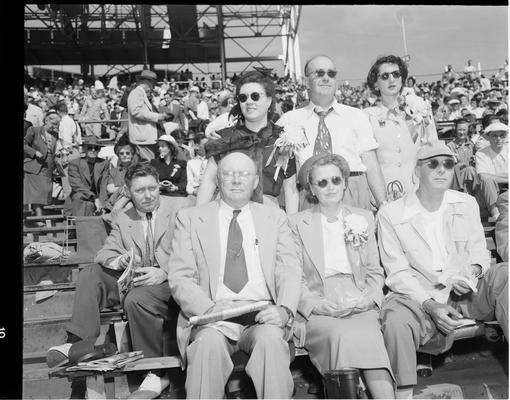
(125, 282)
(108, 363)
(227, 314)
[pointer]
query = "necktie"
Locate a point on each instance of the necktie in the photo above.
(323, 139)
(148, 260)
(236, 274)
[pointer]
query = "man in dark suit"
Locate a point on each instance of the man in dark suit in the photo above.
(147, 228)
(87, 178)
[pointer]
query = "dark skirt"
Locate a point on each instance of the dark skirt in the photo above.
(37, 188)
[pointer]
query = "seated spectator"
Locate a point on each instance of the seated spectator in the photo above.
(455, 113)
(342, 293)
(171, 171)
(227, 253)
(502, 226)
(147, 228)
(224, 119)
(87, 177)
(465, 178)
(117, 197)
(195, 169)
(418, 252)
(492, 167)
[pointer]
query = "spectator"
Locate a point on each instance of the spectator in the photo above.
(454, 110)
(202, 108)
(94, 109)
(205, 236)
(142, 121)
(502, 226)
(39, 149)
(224, 119)
(418, 312)
(195, 168)
(492, 167)
(26, 124)
(465, 178)
(34, 113)
(171, 171)
(87, 177)
(470, 71)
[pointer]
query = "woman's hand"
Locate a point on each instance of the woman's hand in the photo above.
(325, 307)
(363, 304)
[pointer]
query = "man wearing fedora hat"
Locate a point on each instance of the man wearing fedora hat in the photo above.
(87, 177)
(433, 249)
(142, 120)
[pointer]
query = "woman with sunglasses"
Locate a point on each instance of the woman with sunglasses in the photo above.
(393, 128)
(337, 321)
(254, 134)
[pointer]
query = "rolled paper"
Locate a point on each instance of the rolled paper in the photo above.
(227, 314)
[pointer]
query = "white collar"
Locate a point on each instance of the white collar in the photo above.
(414, 207)
(143, 214)
(229, 210)
(337, 107)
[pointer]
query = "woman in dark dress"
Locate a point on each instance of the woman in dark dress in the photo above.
(172, 172)
(253, 134)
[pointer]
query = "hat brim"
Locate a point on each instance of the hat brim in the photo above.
(145, 78)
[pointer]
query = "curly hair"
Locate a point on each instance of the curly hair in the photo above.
(374, 70)
(263, 80)
(139, 170)
(329, 159)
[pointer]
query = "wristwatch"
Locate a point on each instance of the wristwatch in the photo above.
(290, 315)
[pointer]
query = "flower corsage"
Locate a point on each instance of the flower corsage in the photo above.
(291, 140)
(356, 230)
(418, 111)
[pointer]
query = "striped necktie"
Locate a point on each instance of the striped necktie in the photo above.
(323, 139)
(148, 260)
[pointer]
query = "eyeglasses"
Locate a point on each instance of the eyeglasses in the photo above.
(501, 135)
(386, 75)
(229, 175)
(124, 153)
(255, 96)
(335, 180)
(93, 148)
(434, 163)
(320, 73)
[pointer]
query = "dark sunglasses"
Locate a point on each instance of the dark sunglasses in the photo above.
(255, 96)
(320, 73)
(124, 153)
(95, 148)
(434, 163)
(386, 75)
(335, 180)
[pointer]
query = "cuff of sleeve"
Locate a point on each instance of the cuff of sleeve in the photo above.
(114, 264)
(421, 298)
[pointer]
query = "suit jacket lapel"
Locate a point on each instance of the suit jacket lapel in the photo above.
(208, 234)
(266, 238)
(85, 170)
(161, 224)
(311, 233)
(136, 230)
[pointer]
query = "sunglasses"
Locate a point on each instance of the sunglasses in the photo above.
(95, 148)
(386, 75)
(255, 96)
(320, 73)
(434, 163)
(124, 153)
(335, 180)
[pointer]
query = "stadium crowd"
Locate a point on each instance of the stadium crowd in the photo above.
(326, 192)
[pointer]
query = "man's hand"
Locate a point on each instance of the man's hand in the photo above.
(38, 154)
(98, 204)
(124, 260)
(274, 315)
(460, 287)
(150, 276)
(441, 313)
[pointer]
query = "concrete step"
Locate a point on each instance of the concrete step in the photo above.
(39, 338)
(60, 304)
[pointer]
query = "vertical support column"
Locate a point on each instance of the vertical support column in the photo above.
(219, 12)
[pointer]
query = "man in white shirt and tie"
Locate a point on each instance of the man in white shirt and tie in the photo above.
(228, 253)
(147, 228)
(332, 127)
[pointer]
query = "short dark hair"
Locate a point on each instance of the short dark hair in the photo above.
(139, 170)
(389, 59)
(61, 107)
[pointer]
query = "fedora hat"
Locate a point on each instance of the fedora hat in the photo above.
(147, 75)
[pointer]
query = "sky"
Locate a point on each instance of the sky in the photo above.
(355, 35)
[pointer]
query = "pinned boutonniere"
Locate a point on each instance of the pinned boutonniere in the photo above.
(291, 140)
(177, 167)
(355, 230)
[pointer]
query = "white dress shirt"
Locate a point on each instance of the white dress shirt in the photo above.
(490, 162)
(433, 225)
(194, 170)
(333, 244)
(350, 129)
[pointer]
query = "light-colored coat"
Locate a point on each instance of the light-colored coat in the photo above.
(194, 264)
(141, 119)
(405, 250)
(367, 272)
(127, 233)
